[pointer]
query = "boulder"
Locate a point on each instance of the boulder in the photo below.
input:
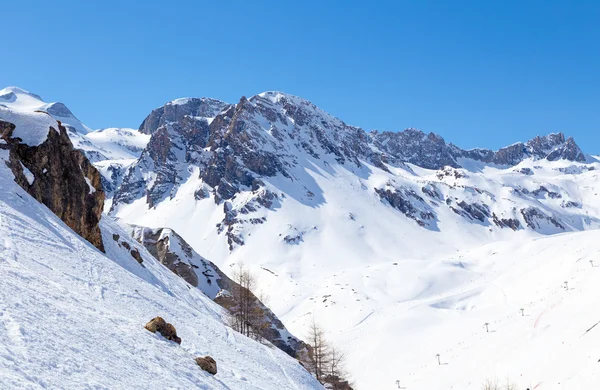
(136, 255)
(208, 364)
(158, 324)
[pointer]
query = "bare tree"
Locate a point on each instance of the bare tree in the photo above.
(326, 362)
(336, 372)
(494, 385)
(319, 358)
(248, 315)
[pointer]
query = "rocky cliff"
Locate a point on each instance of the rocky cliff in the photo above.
(60, 177)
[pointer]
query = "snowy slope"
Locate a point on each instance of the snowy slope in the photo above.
(553, 345)
(72, 317)
(112, 144)
(369, 274)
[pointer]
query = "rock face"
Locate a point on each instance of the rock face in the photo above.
(177, 255)
(408, 203)
(158, 324)
(60, 177)
(172, 251)
(537, 220)
(208, 364)
(177, 110)
(413, 146)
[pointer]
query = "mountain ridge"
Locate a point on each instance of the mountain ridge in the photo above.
(381, 237)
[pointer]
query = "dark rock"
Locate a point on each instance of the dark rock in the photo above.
(508, 222)
(533, 216)
(570, 204)
(432, 191)
(408, 203)
(177, 110)
(416, 147)
(544, 190)
(208, 364)
(158, 324)
(64, 180)
(136, 255)
(526, 171)
(473, 211)
(158, 243)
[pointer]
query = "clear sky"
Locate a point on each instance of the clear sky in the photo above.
(480, 73)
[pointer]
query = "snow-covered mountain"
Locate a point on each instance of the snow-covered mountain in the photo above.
(401, 245)
(72, 312)
(349, 225)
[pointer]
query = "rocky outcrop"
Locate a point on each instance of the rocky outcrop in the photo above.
(511, 223)
(414, 146)
(60, 177)
(159, 243)
(409, 203)
(208, 364)
(474, 211)
(168, 331)
(177, 255)
(551, 147)
(179, 109)
(537, 220)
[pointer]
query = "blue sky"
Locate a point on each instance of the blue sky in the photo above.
(480, 73)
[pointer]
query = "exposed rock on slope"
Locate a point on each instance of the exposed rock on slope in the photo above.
(172, 251)
(60, 177)
(208, 364)
(167, 330)
(178, 109)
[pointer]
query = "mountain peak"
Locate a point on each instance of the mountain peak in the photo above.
(177, 109)
(18, 91)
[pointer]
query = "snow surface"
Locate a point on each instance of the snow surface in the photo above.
(118, 143)
(72, 317)
(28, 175)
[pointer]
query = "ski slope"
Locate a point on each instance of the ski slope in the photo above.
(392, 294)
(72, 317)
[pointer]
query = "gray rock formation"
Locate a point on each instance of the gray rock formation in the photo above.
(63, 179)
(177, 255)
